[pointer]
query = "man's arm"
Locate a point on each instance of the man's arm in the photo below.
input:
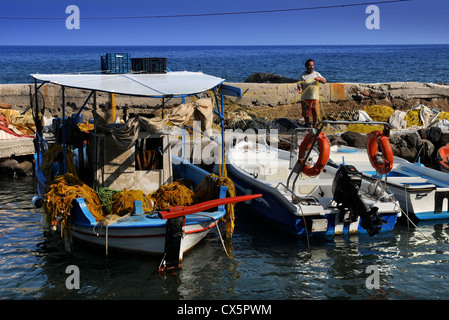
(320, 80)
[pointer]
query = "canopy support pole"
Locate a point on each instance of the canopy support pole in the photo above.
(220, 113)
(64, 165)
(95, 143)
(78, 113)
(37, 122)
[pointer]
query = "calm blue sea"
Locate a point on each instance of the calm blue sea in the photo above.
(366, 64)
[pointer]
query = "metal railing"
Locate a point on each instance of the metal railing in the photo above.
(301, 160)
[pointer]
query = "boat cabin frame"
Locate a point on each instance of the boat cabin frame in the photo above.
(107, 166)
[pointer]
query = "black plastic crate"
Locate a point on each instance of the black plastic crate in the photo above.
(116, 63)
(149, 65)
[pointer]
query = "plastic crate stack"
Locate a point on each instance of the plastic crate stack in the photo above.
(149, 65)
(116, 63)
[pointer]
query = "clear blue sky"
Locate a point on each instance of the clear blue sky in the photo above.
(412, 22)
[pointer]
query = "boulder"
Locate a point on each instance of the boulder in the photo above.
(397, 140)
(285, 124)
(24, 168)
(404, 145)
(268, 78)
(412, 139)
(411, 146)
(335, 140)
(13, 168)
(8, 164)
(354, 139)
(444, 139)
(434, 134)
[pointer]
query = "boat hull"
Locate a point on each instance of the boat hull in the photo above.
(422, 192)
(143, 233)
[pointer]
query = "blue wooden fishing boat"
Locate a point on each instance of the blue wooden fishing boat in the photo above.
(132, 155)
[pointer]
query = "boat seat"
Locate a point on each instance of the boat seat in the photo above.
(308, 186)
(314, 182)
(271, 173)
(406, 179)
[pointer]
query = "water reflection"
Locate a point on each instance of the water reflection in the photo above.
(262, 263)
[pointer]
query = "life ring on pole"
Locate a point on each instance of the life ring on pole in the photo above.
(376, 138)
(324, 149)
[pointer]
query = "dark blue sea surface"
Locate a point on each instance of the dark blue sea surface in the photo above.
(366, 64)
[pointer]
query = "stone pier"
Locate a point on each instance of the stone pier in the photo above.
(334, 96)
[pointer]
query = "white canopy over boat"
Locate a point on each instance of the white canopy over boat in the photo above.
(156, 85)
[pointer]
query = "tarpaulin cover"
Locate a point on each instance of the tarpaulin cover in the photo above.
(151, 85)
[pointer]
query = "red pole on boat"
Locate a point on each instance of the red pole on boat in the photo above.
(180, 211)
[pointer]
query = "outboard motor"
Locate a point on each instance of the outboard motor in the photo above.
(345, 188)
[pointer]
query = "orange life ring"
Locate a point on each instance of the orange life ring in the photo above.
(375, 138)
(324, 149)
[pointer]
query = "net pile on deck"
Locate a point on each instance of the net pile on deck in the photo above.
(108, 205)
(58, 201)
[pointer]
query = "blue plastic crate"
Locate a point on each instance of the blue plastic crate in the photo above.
(116, 63)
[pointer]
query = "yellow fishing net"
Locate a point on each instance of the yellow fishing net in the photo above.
(58, 201)
(443, 116)
(363, 128)
(379, 112)
(412, 118)
(172, 195)
(123, 201)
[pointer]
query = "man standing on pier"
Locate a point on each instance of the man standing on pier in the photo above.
(308, 86)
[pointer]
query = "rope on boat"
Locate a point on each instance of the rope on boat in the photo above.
(106, 222)
(209, 189)
(305, 226)
(123, 202)
(105, 195)
(408, 218)
(219, 232)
